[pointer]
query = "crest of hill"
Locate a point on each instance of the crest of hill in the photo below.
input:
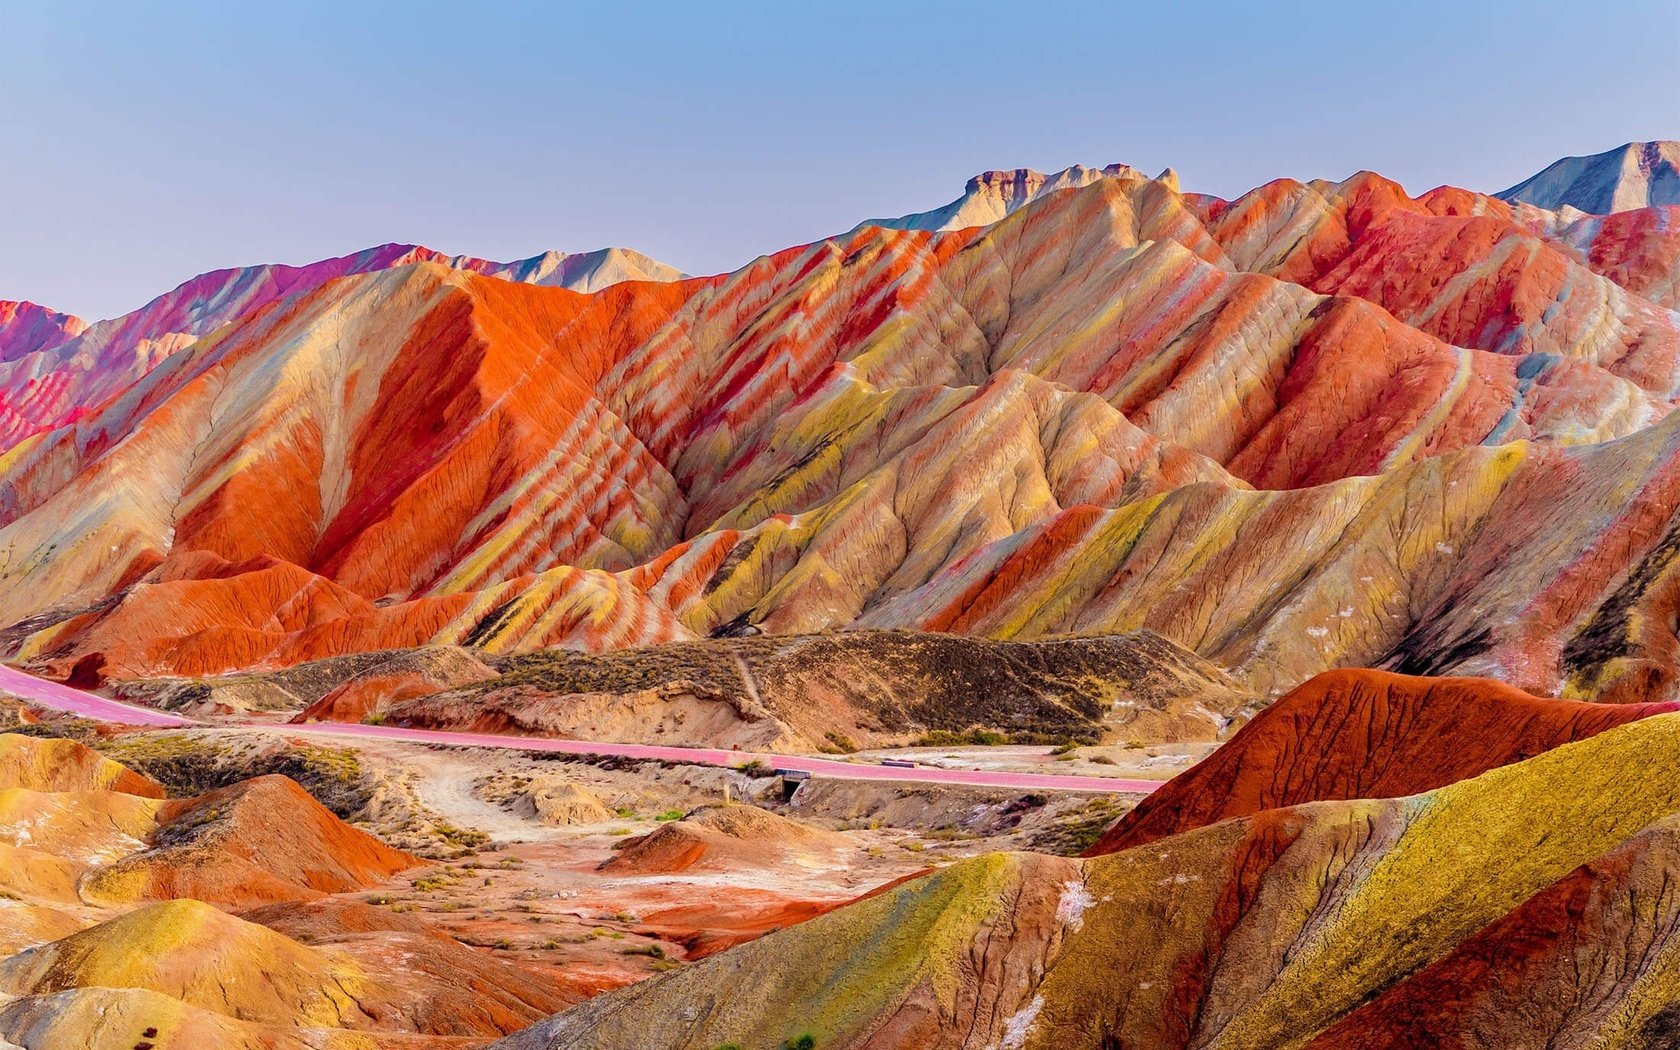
(26, 328)
(992, 195)
(721, 838)
(1353, 734)
(58, 368)
(48, 764)
(255, 842)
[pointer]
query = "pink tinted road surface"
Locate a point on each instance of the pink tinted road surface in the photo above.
(88, 705)
(77, 702)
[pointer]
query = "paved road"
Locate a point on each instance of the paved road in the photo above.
(90, 705)
(78, 702)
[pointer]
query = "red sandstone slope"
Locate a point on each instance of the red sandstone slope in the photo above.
(57, 368)
(259, 841)
(1364, 734)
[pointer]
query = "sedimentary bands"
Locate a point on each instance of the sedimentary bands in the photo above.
(1320, 425)
(1343, 518)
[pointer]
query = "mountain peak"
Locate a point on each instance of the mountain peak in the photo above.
(26, 327)
(991, 195)
(1633, 175)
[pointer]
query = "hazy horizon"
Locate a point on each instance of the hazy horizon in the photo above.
(146, 149)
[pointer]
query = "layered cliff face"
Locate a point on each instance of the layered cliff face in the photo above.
(1528, 904)
(1321, 425)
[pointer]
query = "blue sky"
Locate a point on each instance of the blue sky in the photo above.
(144, 143)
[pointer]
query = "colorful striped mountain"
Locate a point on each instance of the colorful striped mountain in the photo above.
(1320, 425)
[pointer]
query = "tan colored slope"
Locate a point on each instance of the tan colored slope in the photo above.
(359, 970)
(205, 958)
(41, 764)
(867, 687)
(119, 1019)
(88, 827)
(1260, 931)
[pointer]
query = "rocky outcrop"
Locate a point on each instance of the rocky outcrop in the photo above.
(557, 802)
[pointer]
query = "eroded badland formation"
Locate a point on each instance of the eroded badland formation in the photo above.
(1088, 614)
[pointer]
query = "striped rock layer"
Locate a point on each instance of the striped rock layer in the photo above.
(1317, 426)
(55, 368)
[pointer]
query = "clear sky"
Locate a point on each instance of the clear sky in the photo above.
(141, 143)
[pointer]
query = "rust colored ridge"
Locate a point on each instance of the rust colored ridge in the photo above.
(447, 987)
(1553, 972)
(719, 923)
(721, 838)
(259, 841)
(1364, 734)
(44, 764)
